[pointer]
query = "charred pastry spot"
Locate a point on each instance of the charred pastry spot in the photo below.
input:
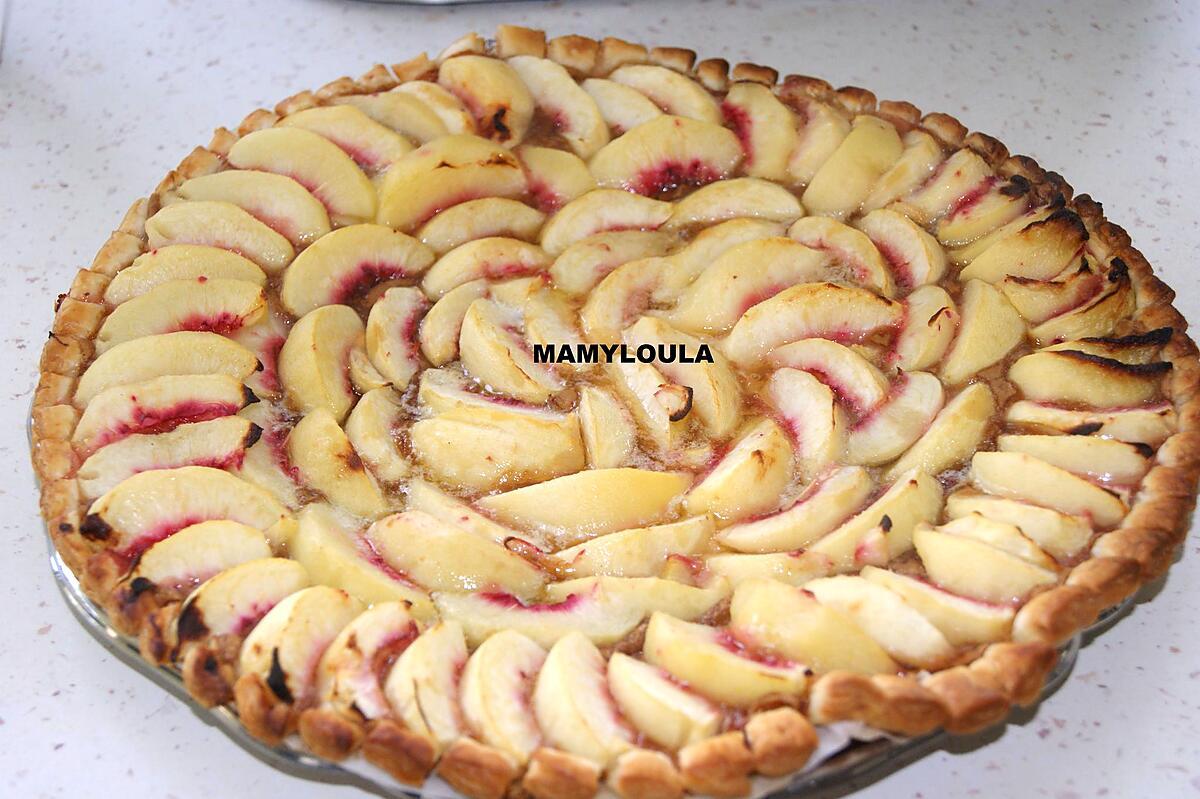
(885, 523)
(65, 527)
(1065, 218)
(95, 528)
(139, 586)
(191, 626)
(252, 435)
(210, 664)
(1132, 369)
(1118, 272)
(1151, 338)
(248, 396)
(58, 302)
(1143, 449)
(276, 680)
(1085, 429)
(498, 124)
(1017, 186)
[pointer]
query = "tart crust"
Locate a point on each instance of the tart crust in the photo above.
(962, 698)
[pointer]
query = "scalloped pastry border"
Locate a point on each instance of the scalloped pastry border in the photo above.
(774, 742)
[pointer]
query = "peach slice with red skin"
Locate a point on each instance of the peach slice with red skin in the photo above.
(953, 435)
(920, 159)
(930, 323)
(1015, 475)
(577, 117)
(821, 131)
(492, 258)
(179, 262)
(196, 554)
(442, 324)
(276, 200)
(219, 224)
(966, 253)
(621, 297)
(555, 177)
(340, 266)
(811, 310)
(314, 360)
(158, 405)
(961, 620)
(658, 707)
(1104, 459)
(422, 688)
(1060, 534)
(849, 247)
(599, 211)
(991, 206)
(445, 172)
(892, 427)
(494, 94)
(370, 428)
(448, 108)
(622, 107)
(315, 163)
(220, 443)
(667, 152)
(478, 219)
(585, 263)
(736, 198)
(913, 256)
(811, 413)
(857, 381)
(405, 113)
(374, 147)
(705, 247)
(233, 602)
(608, 429)
(324, 459)
(669, 90)
(217, 305)
(1134, 349)
(498, 678)
(1099, 316)
(958, 176)
(764, 126)
(990, 329)
(391, 334)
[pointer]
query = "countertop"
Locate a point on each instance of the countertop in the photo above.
(99, 99)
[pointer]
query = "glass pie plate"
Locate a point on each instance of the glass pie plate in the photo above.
(850, 755)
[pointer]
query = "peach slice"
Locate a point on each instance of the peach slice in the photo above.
(990, 329)
(325, 460)
(232, 602)
(788, 620)
(447, 389)
(151, 506)
(825, 504)
(823, 129)
(719, 665)
(1099, 316)
(968, 252)
(348, 677)
(1134, 349)
(638, 552)
(182, 353)
(424, 496)
(443, 173)
(621, 297)
(157, 405)
(984, 211)
(265, 340)
(921, 157)
(962, 621)
(954, 434)
(199, 552)
(736, 198)
(793, 568)
(482, 449)
(895, 625)
(444, 557)
(667, 152)
(705, 247)
(477, 219)
(494, 94)
(810, 310)
(585, 263)
(1092, 381)
(555, 177)
(373, 146)
(315, 163)
(551, 320)
(749, 479)
(649, 594)
(276, 200)
(1001, 535)
(577, 117)
(363, 374)
(494, 355)
(1015, 475)
(913, 256)
(348, 261)
(810, 410)
(669, 90)
(960, 175)
(743, 276)
(850, 248)
(591, 502)
(265, 463)
(404, 112)
(574, 709)
(599, 211)
(622, 107)
(220, 443)
(976, 570)
(422, 688)
(609, 432)
(332, 549)
(1103, 459)
(1061, 535)
(391, 334)
(448, 108)
(494, 691)
(180, 262)
(915, 497)
(223, 225)
(715, 391)
(370, 429)
(665, 712)
(217, 305)
(493, 258)
(765, 127)
(1150, 425)
(840, 185)
(313, 361)
(857, 381)
(442, 324)
(892, 427)
(1040, 250)
(285, 647)
(930, 322)
(599, 617)
(659, 407)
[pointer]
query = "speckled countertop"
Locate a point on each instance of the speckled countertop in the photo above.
(99, 98)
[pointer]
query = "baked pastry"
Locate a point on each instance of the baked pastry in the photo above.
(318, 424)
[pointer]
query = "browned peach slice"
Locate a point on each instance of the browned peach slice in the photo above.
(765, 127)
(373, 146)
(621, 297)
(1099, 316)
(477, 219)
(1150, 424)
(494, 94)
(325, 460)
(217, 305)
(276, 200)
(315, 163)
(1134, 349)
(440, 327)
(551, 321)
(968, 252)
(219, 224)
(1091, 381)
(1039, 300)
(576, 116)
(232, 602)
(666, 152)
(749, 479)
(199, 552)
(448, 108)
(989, 208)
(1040, 250)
